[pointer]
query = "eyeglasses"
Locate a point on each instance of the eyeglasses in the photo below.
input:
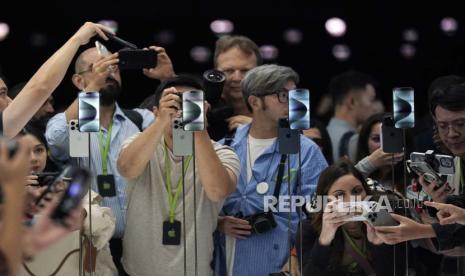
(457, 126)
(113, 69)
(283, 95)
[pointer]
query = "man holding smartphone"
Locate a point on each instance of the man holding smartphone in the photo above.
(265, 89)
(447, 106)
(154, 237)
(94, 73)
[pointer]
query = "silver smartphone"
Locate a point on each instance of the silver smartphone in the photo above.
(78, 141)
(192, 110)
(182, 139)
(89, 111)
(443, 164)
(101, 49)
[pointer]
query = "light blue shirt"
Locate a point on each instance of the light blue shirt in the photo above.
(58, 139)
(261, 254)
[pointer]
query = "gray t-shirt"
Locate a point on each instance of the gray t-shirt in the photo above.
(144, 253)
(336, 130)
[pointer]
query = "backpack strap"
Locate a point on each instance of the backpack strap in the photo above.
(134, 116)
(344, 143)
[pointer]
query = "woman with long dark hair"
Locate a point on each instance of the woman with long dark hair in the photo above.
(331, 245)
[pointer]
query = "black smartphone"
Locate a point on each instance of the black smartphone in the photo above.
(46, 178)
(192, 110)
(288, 139)
(404, 107)
(88, 111)
(133, 59)
(299, 109)
(391, 137)
(76, 190)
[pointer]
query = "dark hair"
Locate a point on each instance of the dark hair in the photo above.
(327, 178)
(362, 146)
(325, 140)
(447, 92)
(179, 80)
(245, 44)
(342, 84)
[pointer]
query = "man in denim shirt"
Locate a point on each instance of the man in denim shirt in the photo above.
(265, 89)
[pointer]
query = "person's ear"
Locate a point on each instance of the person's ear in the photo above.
(254, 102)
(350, 101)
(78, 81)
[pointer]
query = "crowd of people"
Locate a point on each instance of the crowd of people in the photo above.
(151, 212)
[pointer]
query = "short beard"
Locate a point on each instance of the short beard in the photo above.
(109, 94)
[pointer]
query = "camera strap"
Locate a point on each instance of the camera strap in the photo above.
(279, 179)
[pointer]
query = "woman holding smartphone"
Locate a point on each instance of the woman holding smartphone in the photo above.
(63, 257)
(332, 245)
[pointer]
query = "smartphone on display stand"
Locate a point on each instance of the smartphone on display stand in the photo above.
(192, 110)
(182, 139)
(299, 109)
(78, 141)
(404, 107)
(89, 111)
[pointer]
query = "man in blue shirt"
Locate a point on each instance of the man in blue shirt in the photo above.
(265, 89)
(94, 73)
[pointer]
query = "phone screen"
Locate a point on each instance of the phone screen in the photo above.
(299, 109)
(403, 101)
(192, 110)
(89, 119)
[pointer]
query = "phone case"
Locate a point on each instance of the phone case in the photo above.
(391, 139)
(182, 139)
(78, 141)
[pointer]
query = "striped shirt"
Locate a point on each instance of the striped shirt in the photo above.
(58, 139)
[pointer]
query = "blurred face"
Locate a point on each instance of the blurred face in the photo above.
(234, 63)
(109, 93)
(274, 107)
(38, 154)
(4, 99)
(364, 101)
(451, 129)
(374, 141)
(46, 111)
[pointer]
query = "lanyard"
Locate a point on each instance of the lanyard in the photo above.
(173, 199)
(104, 149)
(354, 246)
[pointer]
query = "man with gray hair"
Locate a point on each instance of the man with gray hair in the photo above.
(249, 250)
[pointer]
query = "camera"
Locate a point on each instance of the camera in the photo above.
(213, 82)
(261, 222)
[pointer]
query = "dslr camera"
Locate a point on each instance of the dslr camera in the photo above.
(213, 81)
(260, 222)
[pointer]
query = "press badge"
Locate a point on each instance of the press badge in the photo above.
(106, 185)
(172, 233)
